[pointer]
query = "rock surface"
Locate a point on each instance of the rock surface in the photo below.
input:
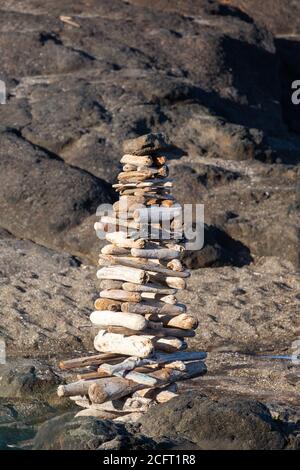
(85, 433)
(224, 424)
(215, 77)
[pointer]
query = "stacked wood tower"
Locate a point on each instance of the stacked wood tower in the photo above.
(141, 328)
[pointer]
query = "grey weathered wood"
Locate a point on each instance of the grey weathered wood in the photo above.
(158, 253)
(123, 273)
(152, 267)
(129, 320)
(122, 295)
(119, 344)
(153, 307)
(154, 288)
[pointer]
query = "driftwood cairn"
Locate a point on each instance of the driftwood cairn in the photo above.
(141, 327)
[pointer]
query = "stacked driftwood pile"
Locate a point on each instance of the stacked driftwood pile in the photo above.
(141, 327)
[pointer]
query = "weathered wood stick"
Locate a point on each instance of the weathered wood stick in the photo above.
(110, 284)
(80, 387)
(99, 414)
(153, 307)
(132, 176)
(131, 203)
(168, 299)
(135, 160)
(168, 344)
(122, 295)
(131, 346)
(120, 222)
(157, 213)
(107, 304)
(157, 359)
(91, 375)
(174, 332)
(158, 182)
(107, 318)
(183, 321)
(81, 362)
(123, 273)
(175, 282)
(165, 395)
(128, 167)
(175, 265)
(117, 387)
(154, 288)
(159, 253)
(152, 267)
(112, 388)
(114, 250)
(152, 393)
(120, 239)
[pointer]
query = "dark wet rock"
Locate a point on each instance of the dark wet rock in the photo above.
(85, 433)
(12, 432)
(27, 379)
(223, 424)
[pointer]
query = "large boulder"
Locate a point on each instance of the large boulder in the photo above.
(224, 424)
(87, 433)
(42, 197)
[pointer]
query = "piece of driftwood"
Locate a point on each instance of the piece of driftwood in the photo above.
(135, 160)
(111, 388)
(122, 295)
(174, 282)
(110, 284)
(169, 344)
(107, 318)
(81, 362)
(107, 304)
(99, 414)
(123, 273)
(175, 265)
(145, 288)
(183, 320)
(120, 239)
(126, 345)
(116, 387)
(158, 253)
(114, 250)
(147, 307)
(152, 267)
(168, 299)
(130, 363)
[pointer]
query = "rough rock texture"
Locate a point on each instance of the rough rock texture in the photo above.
(215, 77)
(250, 309)
(205, 73)
(85, 433)
(224, 424)
(45, 301)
